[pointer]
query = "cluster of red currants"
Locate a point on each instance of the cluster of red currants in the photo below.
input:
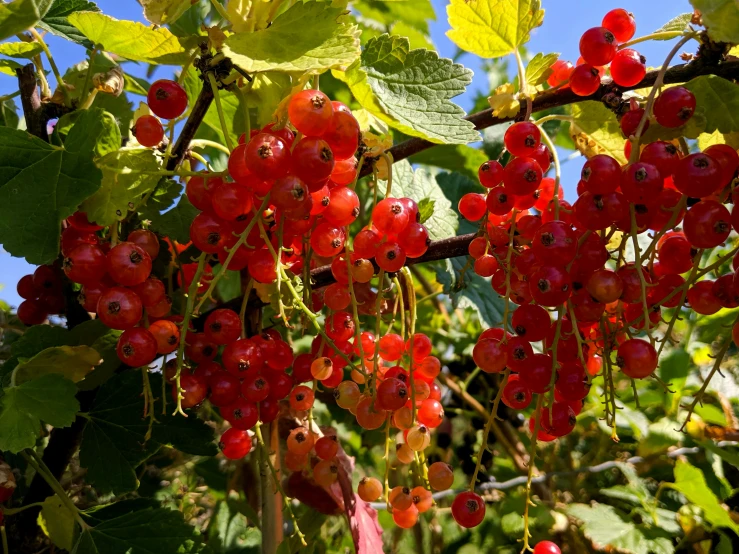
(42, 293)
(166, 99)
(599, 47)
(559, 257)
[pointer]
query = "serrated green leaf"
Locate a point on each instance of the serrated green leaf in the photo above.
(56, 19)
(163, 198)
(712, 414)
(691, 482)
(420, 185)
(425, 209)
(595, 130)
(40, 185)
(674, 368)
(18, 16)
(470, 291)
(25, 50)
(128, 175)
(49, 398)
(130, 39)
(416, 38)
(92, 131)
(157, 530)
(717, 102)
(8, 67)
(453, 157)
(114, 441)
(160, 12)
(175, 223)
(411, 90)
(413, 14)
(609, 528)
(286, 46)
(674, 26)
(58, 522)
(71, 362)
(539, 68)
(492, 28)
(721, 18)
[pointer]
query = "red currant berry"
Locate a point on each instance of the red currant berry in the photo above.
(136, 347)
(472, 206)
(515, 393)
(697, 175)
(630, 123)
(585, 80)
(31, 312)
(468, 509)
(628, 67)
(209, 233)
(167, 99)
(598, 46)
(199, 190)
(235, 443)
(522, 176)
(343, 135)
(707, 224)
(490, 174)
(148, 131)
(621, 23)
(522, 138)
(86, 264)
(674, 106)
(312, 160)
(268, 157)
(637, 358)
(119, 308)
(128, 264)
(310, 112)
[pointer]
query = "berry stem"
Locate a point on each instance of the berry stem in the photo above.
(640, 271)
(557, 167)
(523, 85)
(244, 303)
(664, 35)
(219, 108)
(355, 309)
(636, 138)
(530, 474)
(88, 76)
(386, 487)
(191, 295)
(411, 292)
(375, 359)
(59, 80)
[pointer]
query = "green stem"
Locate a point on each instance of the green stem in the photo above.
(231, 253)
(220, 9)
(557, 168)
(664, 35)
(13, 511)
(38, 464)
(219, 108)
(204, 143)
(88, 77)
(191, 295)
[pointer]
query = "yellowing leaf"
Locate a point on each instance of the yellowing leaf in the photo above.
(18, 16)
(160, 12)
(504, 101)
(72, 362)
(709, 139)
(492, 28)
(130, 39)
(20, 49)
(367, 121)
(595, 130)
(310, 36)
(237, 11)
(58, 522)
(539, 68)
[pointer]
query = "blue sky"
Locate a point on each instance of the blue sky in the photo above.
(564, 22)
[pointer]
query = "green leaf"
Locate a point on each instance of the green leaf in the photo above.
(8, 67)
(492, 28)
(25, 50)
(709, 139)
(8, 111)
(410, 13)
(40, 185)
(420, 185)
(676, 25)
(266, 92)
(175, 223)
(229, 287)
(470, 291)
(128, 175)
(114, 441)
(453, 157)
(160, 12)
(711, 413)
(721, 18)
(717, 102)
(49, 398)
(674, 368)
(18, 16)
(89, 131)
(609, 529)
(730, 457)
(691, 482)
(411, 90)
(539, 68)
(157, 530)
(130, 39)
(228, 530)
(58, 522)
(286, 46)
(56, 19)
(425, 209)
(595, 130)
(163, 198)
(71, 362)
